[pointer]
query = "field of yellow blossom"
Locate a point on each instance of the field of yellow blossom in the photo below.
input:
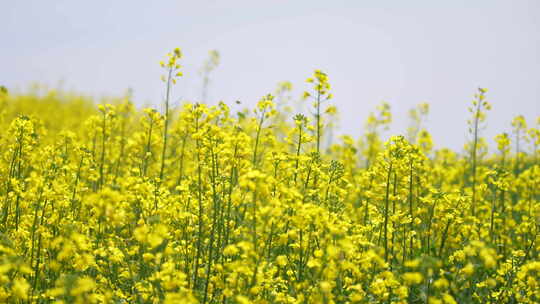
(113, 204)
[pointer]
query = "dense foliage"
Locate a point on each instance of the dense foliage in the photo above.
(111, 204)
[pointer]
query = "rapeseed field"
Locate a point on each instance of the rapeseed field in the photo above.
(102, 202)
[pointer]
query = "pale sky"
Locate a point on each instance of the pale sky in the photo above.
(402, 52)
